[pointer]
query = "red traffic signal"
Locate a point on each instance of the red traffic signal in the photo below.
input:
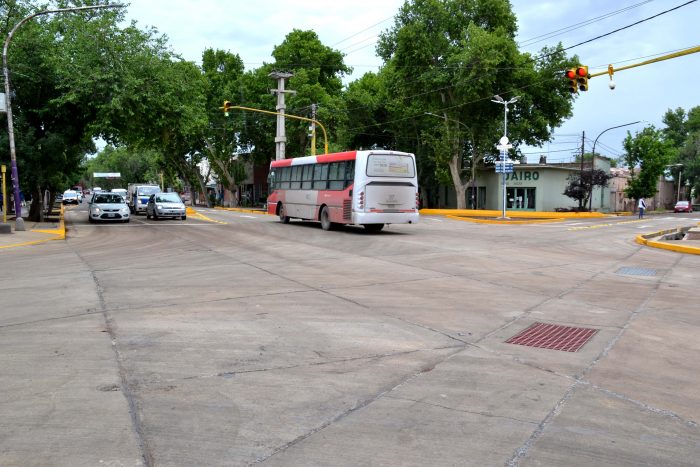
(570, 75)
(582, 77)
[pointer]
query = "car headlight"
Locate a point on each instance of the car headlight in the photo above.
(96, 210)
(159, 206)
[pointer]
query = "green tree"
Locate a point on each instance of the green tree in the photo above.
(450, 58)
(683, 133)
(80, 75)
(647, 155)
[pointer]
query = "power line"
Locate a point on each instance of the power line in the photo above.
(360, 32)
(630, 25)
(573, 27)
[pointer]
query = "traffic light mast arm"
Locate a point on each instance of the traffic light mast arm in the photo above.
(250, 109)
(610, 70)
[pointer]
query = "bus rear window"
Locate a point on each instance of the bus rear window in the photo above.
(390, 165)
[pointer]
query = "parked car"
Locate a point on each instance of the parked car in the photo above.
(70, 197)
(108, 207)
(683, 206)
(165, 205)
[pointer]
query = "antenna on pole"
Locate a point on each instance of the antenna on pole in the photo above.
(281, 137)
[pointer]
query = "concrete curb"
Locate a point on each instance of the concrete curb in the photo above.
(524, 217)
(643, 239)
(505, 221)
(253, 211)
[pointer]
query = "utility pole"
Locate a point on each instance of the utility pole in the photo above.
(580, 176)
(313, 129)
(281, 137)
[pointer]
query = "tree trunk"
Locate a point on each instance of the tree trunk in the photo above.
(459, 185)
(36, 210)
(230, 182)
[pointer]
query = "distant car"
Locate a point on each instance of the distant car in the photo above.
(683, 206)
(70, 197)
(165, 205)
(120, 191)
(108, 207)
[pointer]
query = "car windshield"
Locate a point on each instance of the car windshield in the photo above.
(682, 203)
(109, 199)
(168, 198)
(147, 190)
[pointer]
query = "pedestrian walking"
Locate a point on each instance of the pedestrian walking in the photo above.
(642, 206)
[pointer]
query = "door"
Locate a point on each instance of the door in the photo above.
(522, 199)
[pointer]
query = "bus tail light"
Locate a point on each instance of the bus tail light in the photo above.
(361, 200)
(417, 200)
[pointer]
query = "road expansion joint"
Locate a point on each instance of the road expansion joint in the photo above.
(125, 387)
(580, 378)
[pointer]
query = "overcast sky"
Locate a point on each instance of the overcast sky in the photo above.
(252, 29)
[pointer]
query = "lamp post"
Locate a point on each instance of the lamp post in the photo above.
(473, 161)
(504, 142)
(590, 195)
(19, 222)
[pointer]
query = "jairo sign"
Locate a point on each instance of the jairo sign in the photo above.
(523, 175)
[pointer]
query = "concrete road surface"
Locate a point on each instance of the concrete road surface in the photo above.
(245, 341)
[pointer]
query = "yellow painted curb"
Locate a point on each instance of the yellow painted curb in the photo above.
(518, 214)
(644, 240)
(253, 211)
(197, 215)
(58, 234)
(505, 221)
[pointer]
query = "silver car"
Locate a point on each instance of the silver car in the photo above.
(108, 207)
(165, 205)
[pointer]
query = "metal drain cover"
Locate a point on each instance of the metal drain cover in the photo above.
(553, 337)
(631, 271)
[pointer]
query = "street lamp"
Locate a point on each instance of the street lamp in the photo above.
(473, 188)
(590, 194)
(504, 142)
(19, 222)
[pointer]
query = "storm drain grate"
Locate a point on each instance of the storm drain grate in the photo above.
(553, 336)
(628, 271)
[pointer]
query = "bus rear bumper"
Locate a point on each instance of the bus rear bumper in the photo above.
(385, 217)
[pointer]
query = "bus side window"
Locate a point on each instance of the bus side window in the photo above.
(307, 177)
(286, 174)
(320, 176)
(296, 177)
(336, 176)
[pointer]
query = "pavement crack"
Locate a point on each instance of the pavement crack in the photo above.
(647, 407)
(453, 409)
(358, 406)
(233, 373)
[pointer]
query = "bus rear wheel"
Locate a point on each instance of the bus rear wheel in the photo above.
(326, 223)
(284, 218)
(373, 227)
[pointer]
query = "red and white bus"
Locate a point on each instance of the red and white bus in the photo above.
(368, 188)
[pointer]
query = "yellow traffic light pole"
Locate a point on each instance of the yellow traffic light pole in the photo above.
(227, 107)
(681, 53)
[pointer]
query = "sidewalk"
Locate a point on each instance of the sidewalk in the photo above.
(35, 232)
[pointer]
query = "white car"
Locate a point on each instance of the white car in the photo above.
(108, 207)
(70, 197)
(165, 205)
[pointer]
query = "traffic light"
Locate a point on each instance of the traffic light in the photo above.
(227, 106)
(570, 76)
(582, 77)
